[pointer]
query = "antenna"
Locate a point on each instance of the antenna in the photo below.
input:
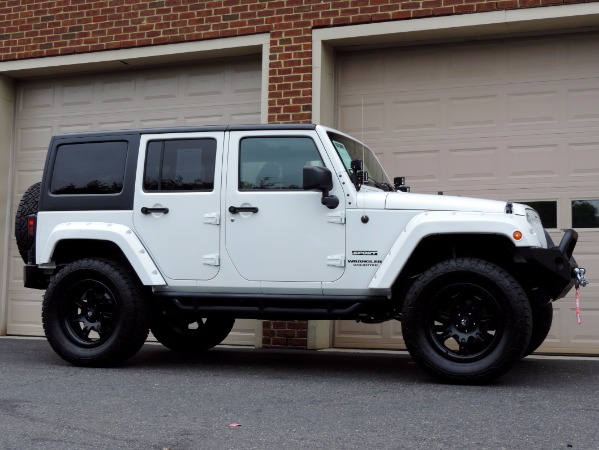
(362, 139)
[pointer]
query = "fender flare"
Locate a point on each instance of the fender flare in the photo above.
(121, 235)
(446, 222)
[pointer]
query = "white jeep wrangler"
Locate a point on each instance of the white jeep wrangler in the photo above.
(183, 230)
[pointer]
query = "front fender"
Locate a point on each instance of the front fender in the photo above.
(448, 222)
(121, 235)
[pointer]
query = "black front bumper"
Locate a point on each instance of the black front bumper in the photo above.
(554, 266)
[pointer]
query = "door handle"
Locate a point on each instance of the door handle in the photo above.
(238, 209)
(145, 210)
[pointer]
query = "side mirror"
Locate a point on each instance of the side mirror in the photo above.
(320, 178)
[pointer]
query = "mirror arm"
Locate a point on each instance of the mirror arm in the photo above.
(330, 201)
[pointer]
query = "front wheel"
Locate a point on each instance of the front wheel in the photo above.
(94, 313)
(192, 335)
(466, 320)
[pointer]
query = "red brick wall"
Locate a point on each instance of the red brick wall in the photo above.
(38, 28)
(282, 333)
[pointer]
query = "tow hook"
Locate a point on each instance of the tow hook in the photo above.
(580, 278)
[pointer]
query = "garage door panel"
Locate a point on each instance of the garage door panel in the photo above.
(160, 87)
(37, 100)
(359, 335)
(24, 312)
(33, 141)
(583, 104)
(473, 111)
(533, 108)
(479, 62)
(506, 119)
(74, 94)
(244, 82)
(205, 94)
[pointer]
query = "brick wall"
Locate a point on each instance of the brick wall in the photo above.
(38, 28)
(282, 333)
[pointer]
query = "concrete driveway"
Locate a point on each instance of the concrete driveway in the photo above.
(288, 399)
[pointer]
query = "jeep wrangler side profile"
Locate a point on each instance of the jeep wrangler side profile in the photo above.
(180, 231)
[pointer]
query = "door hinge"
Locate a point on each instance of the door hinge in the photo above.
(336, 217)
(212, 219)
(336, 260)
(212, 260)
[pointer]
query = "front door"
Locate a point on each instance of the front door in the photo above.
(177, 203)
(276, 231)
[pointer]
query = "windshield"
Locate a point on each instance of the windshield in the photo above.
(349, 150)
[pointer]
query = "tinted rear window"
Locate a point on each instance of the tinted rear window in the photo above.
(89, 168)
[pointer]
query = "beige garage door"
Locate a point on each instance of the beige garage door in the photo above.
(509, 120)
(210, 93)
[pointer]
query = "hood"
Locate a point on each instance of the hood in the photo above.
(400, 200)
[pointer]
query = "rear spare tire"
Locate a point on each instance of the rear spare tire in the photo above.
(28, 205)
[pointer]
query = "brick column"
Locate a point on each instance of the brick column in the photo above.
(285, 333)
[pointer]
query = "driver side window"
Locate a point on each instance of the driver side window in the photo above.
(275, 163)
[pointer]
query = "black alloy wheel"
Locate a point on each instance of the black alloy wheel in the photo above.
(464, 322)
(89, 313)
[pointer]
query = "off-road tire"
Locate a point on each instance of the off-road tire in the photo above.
(466, 320)
(191, 335)
(94, 313)
(542, 318)
(28, 205)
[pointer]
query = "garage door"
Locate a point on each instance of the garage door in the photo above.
(211, 93)
(509, 120)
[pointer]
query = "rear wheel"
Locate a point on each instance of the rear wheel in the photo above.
(466, 320)
(192, 335)
(94, 313)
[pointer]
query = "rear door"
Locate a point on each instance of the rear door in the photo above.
(282, 233)
(177, 202)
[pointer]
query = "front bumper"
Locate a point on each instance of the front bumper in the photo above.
(554, 266)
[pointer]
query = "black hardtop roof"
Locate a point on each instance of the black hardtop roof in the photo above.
(281, 126)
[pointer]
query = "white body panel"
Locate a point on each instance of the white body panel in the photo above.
(441, 222)
(49, 234)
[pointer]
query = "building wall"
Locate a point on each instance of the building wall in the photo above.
(50, 28)
(300, 50)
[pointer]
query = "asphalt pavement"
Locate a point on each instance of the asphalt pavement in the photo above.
(288, 399)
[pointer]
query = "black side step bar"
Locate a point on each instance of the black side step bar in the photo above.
(269, 306)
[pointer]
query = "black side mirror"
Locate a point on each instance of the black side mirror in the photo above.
(320, 178)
